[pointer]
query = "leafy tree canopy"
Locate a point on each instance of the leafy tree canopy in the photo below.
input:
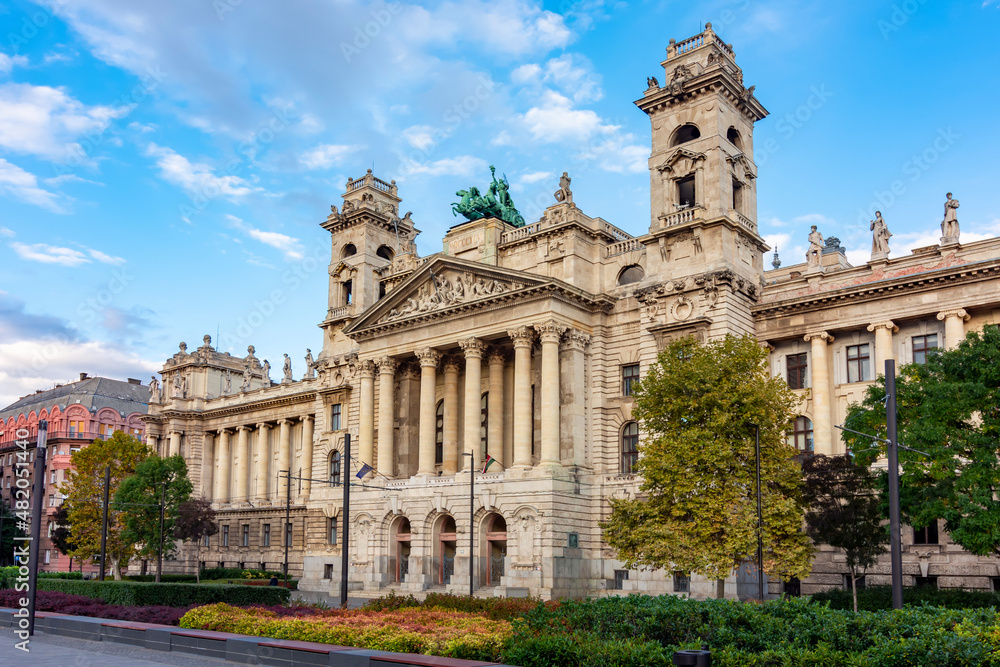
(139, 498)
(697, 406)
(195, 520)
(949, 421)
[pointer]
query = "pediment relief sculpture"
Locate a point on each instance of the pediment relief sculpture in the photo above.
(682, 161)
(448, 289)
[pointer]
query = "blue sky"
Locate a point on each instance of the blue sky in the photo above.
(164, 166)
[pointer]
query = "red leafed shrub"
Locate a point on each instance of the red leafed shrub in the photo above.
(79, 605)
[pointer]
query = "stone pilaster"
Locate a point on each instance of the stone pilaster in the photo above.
(449, 463)
(473, 349)
(241, 493)
(263, 454)
(386, 415)
(523, 338)
(428, 379)
(550, 333)
(223, 466)
(494, 429)
(366, 413)
(284, 459)
(954, 326)
(822, 405)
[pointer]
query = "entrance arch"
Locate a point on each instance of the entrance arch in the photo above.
(446, 546)
(399, 549)
(494, 549)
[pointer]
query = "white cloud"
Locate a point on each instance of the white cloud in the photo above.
(288, 245)
(45, 121)
(23, 185)
(462, 165)
(197, 178)
(325, 156)
(49, 254)
(502, 139)
(534, 177)
(6, 232)
(572, 74)
(310, 123)
(556, 120)
(56, 181)
(7, 63)
(421, 137)
(106, 259)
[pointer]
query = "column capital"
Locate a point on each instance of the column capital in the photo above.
(386, 365)
(224, 431)
(243, 427)
(888, 324)
(551, 331)
(522, 336)
(307, 418)
(428, 357)
(408, 371)
(366, 368)
(956, 312)
(473, 348)
(496, 355)
(263, 425)
(452, 364)
(283, 421)
(823, 335)
(576, 340)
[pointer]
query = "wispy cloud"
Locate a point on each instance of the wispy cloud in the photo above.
(50, 254)
(198, 178)
(290, 246)
(23, 185)
(325, 156)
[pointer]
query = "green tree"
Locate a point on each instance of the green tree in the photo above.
(195, 520)
(9, 530)
(697, 406)
(155, 480)
(62, 536)
(84, 489)
(844, 511)
(949, 421)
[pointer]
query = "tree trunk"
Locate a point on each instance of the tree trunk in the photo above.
(854, 591)
(116, 569)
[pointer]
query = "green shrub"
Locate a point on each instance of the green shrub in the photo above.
(61, 575)
(164, 578)
(876, 598)
(8, 575)
(213, 573)
(140, 594)
(501, 609)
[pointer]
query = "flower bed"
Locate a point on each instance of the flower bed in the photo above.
(79, 605)
(409, 630)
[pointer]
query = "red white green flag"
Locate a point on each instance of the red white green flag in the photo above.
(489, 460)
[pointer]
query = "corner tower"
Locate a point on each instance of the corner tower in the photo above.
(703, 192)
(366, 236)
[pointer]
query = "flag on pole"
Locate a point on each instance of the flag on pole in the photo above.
(365, 469)
(488, 461)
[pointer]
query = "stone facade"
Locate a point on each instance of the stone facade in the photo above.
(520, 344)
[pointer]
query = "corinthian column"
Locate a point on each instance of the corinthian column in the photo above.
(263, 459)
(284, 458)
(822, 419)
(428, 380)
(366, 413)
(222, 467)
(494, 429)
(449, 463)
(550, 333)
(954, 326)
(883, 343)
(523, 338)
(473, 349)
(386, 414)
(242, 464)
(307, 455)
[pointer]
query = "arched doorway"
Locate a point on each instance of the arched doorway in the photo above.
(496, 548)
(399, 565)
(447, 542)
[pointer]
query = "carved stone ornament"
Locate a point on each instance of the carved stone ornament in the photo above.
(449, 289)
(681, 309)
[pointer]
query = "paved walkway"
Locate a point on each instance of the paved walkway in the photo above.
(57, 651)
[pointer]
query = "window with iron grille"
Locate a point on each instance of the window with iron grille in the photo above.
(682, 583)
(858, 363)
(621, 576)
(922, 345)
(798, 366)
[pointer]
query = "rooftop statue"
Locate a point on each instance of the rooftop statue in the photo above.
(496, 203)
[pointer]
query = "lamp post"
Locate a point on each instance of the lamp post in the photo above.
(159, 552)
(895, 547)
(760, 519)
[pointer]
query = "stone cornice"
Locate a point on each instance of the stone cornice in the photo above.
(711, 80)
(241, 408)
(925, 281)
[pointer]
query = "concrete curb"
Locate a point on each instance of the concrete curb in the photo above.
(222, 645)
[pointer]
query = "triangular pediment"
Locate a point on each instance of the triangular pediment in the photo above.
(681, 161)
(443, 283)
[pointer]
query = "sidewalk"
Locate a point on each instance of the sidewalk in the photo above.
(57, 651)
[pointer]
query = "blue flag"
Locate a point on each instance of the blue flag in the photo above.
(365, 469)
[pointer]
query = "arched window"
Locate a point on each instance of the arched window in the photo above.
(439, 434)
(349, 250)
(484, 420)
(385, 252)
(801, 435)
(684, 134)
(335, 468)
(630, 447)
(631, 274)
(734, 138)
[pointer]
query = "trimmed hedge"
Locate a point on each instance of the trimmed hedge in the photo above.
(237, 573)
(164, 578)
(61, 575)
(142, 594)
(79, 605)
(497, 609)
(877, 598)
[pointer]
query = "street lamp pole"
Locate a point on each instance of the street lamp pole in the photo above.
(159, 552)
(895, 546)
(760, 521)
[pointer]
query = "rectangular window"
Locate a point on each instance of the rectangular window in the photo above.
(858, 363)
(621, 576)
(630, 375)
(685, 192)
(333, 530)
(335, 417)
(682, 583)
(245, 541)
(922, 345)
(798, 365)
(328, 571)
(225, 536)
(205, 540)
(926, 535)
(267, 535)
(47, 556)
(288, 534)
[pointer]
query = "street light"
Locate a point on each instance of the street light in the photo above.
(760, 520)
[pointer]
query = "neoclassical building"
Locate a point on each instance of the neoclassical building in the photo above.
(522, 344)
